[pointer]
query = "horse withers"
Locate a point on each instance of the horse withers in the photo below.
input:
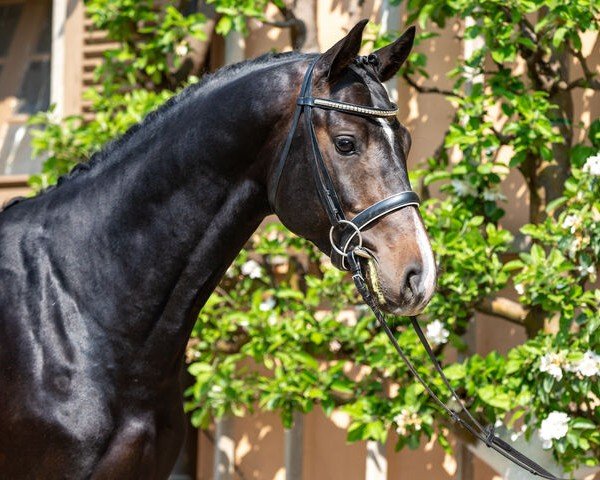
(103, 276)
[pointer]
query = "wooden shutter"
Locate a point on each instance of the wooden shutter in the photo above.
(95, 43)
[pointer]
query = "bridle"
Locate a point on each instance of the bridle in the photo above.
(347, 230)
(345, 253)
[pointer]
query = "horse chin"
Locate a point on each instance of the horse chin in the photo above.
(372, 278)
(384, 302)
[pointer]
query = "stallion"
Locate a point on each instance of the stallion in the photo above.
(102, 277)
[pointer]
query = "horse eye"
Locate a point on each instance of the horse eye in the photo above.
(345, 145)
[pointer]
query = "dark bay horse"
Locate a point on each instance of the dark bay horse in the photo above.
(102, 277)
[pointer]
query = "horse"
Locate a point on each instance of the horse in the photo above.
(104, 274)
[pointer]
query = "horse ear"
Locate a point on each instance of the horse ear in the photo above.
(334, 61)
(394, 55)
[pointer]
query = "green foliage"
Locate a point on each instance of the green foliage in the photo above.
(556, 274)
(285, 332)
(234, 14)
(470, 255)
(152, 39)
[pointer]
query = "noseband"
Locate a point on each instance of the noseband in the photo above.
(347, 230)
(344, 255)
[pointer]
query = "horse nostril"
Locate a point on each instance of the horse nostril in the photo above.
(413, 276)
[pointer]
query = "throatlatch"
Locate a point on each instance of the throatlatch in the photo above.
(349, 246)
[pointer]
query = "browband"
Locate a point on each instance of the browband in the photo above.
(347, 107)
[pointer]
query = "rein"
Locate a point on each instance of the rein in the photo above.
(344, 254)
(486, 434)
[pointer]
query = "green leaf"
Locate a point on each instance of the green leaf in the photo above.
(198, 368)
(494, 397)
(513, 265)
(455, 371)
(548, 383)
(437, 176)
(343, 386)
(559, 36)
(224, 25)
(376, 430)
(583, 424)
(356, 432)
(305, 359)
(555, 204)
(537, 254)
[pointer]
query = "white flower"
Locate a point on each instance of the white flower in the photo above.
(552, 364)
(230, 273)
(273, 320)
(519, 288)
(436, 333)
(592, 165)
(348, 317)
(574, 247)
(251, 269)
(554, 426)
(405, 419)
(463, 189)
(216, 389)
(268, 304)
(571, 221)
(589, 365)
(181, 49)
(514, 436)
(493, 195)
(335, 346)
(590, 271)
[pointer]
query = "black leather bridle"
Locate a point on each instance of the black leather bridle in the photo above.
(345, 254)
(348, 230)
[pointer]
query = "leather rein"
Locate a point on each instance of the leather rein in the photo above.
(345, 253)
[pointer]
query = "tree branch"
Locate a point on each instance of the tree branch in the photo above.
(583, 83)
(504, 139)
(296, 25)
(588, 80)
(422, 89)
(504, 308)
(292, 22)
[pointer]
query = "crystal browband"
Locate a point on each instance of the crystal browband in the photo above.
(347, 107)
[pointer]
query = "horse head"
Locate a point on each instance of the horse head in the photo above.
(347, 156)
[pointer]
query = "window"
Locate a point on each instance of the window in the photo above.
(25, 45)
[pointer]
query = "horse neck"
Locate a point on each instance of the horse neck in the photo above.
(166, 217)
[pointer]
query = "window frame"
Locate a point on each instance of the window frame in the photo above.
(21, 53)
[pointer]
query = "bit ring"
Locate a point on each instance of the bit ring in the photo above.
(343, 253)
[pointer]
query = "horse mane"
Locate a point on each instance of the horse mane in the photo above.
(208, 80)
